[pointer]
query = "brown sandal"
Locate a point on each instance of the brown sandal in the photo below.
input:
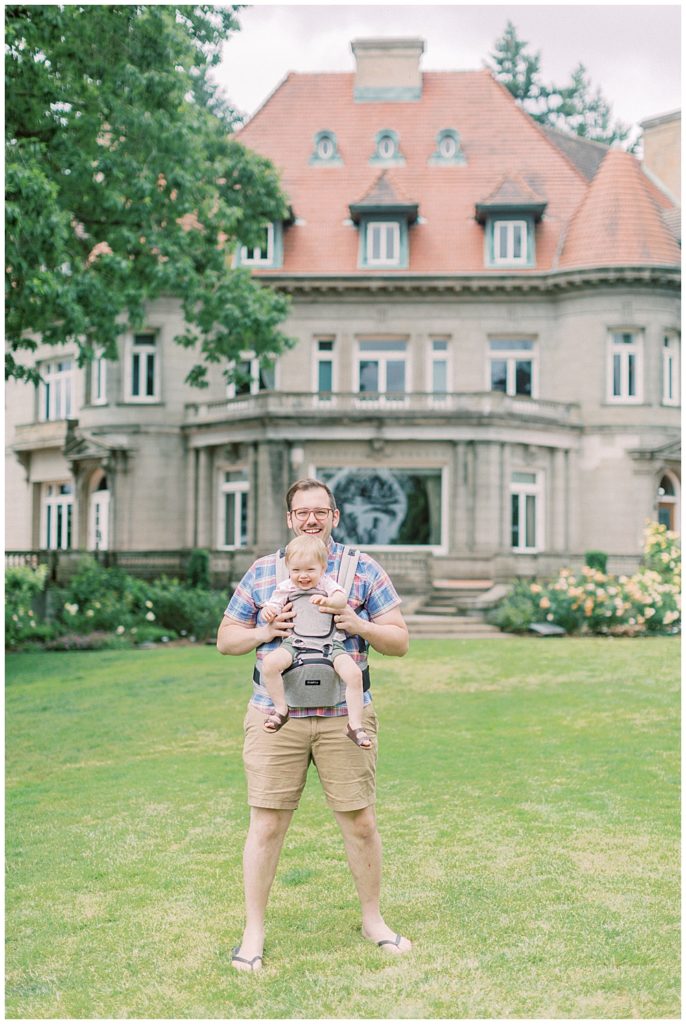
(275, 721)
(358, 736)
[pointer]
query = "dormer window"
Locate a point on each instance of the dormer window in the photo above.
(325, 149)
(387, 150)
(448, 151)
(383, 243)
(261, 254)
(384, 216)
(509, 216)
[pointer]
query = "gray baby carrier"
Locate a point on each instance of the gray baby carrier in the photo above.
(311, 682)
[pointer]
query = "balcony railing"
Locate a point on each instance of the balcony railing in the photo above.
(46, 434)
(467, 404)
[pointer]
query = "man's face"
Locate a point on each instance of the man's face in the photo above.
(311, 514)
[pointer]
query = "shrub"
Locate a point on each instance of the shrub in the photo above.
(187, 610)
(593, 602)
(596, 560)
(22, 586)
(199, 569)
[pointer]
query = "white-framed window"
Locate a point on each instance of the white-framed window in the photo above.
(98, 371)
(526, 504)
(56, 391)
(262, 254)
(142, 368)
(57, 515)
(510, 241)
(668, 492)
(233, 508)
(512, 367)
(625, 369)
(382, 368)
(387, 507)
(671, 368)
(382, 243)
(324, 368)
(249, 377)
(439, 369)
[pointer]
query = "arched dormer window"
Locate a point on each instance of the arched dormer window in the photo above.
(387, 149)
(325, 151)
(448, 150)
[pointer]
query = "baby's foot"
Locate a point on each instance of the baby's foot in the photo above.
(359, 737)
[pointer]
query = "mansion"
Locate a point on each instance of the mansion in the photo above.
(486, 358)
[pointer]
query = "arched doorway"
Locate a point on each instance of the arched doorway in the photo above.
(99, 513)
(668, 501)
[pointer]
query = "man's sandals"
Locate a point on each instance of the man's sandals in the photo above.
(275, 721)
(359, 737)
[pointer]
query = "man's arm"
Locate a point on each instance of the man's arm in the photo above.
(234, 637)
(387, 633)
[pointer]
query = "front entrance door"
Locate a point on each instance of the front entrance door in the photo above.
(98, 539)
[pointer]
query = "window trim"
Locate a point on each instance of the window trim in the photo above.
(334, 158)
(46, 521)
(522, 490)
(382, 395)
(396, 159)
(238, 489)
(612, 348)
(382, 226)
(320, 356)
(432, 358)
(401, 234)
(98, 376)
(51, 377)
(260, 261)
(130, 347)
(670, 354)
(249, 356)
(528, 259)
(511, 372)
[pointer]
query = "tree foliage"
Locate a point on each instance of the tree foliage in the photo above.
(575, 107)
(123, 184)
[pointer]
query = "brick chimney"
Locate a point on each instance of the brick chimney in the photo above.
(387, 70)
(662, 150)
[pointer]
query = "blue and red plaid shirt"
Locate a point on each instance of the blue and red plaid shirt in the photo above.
(372, 594)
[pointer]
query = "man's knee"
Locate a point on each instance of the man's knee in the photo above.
(268, 824)
(360, 824)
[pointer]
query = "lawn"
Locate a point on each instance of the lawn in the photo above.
(528, 801)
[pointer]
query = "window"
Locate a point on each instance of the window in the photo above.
(325, 149)
(262, 254)
(383, 242)
(382, 368)
(324, 368)
(98, 383)
(387, 148)
(526, 509)
(233, 509)
(56, 390)
(387, 507)
(249, 377)
(625, 367)
(57, 514)
(448, 150)
(512, 366)
(510, 241)
(670, 369)
(439, 366)
(143, 369)
(668, 502)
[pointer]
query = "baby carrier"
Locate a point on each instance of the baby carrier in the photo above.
(311, 682)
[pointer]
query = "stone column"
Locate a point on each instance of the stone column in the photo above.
(204, 493)
(558, 502)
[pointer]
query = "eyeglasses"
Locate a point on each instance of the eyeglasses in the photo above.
(303, 514)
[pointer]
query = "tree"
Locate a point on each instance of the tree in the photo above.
(574, 107)
(123, 184)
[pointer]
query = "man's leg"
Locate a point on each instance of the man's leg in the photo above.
(363, 848)
(260, 857)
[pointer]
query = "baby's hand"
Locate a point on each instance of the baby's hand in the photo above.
(269, 614)
(318, 599)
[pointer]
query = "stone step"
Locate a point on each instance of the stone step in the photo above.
(457, 626)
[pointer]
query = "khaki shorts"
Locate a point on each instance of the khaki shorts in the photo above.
(276, 763)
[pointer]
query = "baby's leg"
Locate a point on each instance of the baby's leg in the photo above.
(273, 665)
(352, 677)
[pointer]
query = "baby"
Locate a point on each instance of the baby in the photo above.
(306, 560)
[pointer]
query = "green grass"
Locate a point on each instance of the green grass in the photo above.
(528, 802)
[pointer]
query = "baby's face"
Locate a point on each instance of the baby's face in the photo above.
(305, 572)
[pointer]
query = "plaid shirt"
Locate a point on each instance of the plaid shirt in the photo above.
(372, 595)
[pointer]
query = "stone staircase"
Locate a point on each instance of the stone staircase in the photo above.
(456, 608)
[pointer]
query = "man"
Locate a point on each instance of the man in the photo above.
(276, 763)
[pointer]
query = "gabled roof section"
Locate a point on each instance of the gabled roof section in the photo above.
(510, 195)
(586, 156)
(384, 196)
(619, 223)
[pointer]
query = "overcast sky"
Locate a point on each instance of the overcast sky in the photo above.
(631, 51)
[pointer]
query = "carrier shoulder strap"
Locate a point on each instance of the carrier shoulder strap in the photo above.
(281, 570)
(347, 568)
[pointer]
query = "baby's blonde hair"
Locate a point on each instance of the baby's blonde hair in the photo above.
(308, 547)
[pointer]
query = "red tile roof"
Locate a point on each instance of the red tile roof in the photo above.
(620, 222)
(498, 141)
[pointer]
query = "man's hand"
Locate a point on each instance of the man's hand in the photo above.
(279, 625)
(235, 638)
(344, 617)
